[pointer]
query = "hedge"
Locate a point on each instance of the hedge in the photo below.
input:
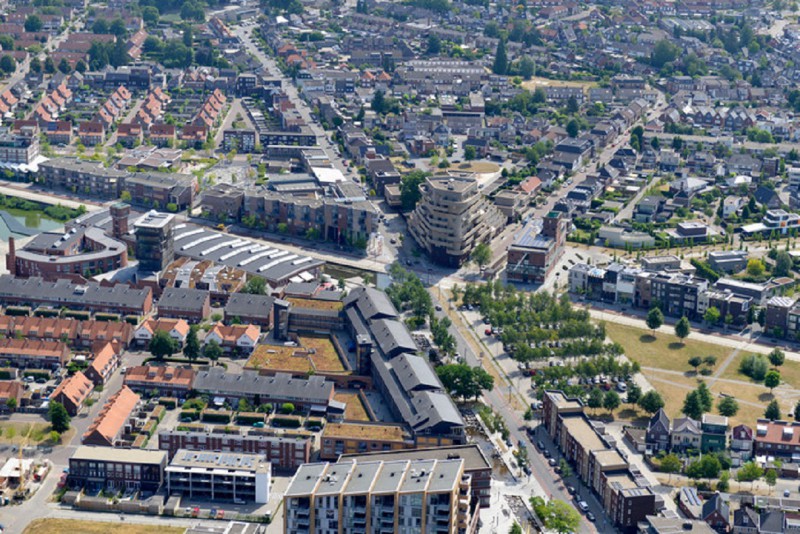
(170, 403)
(249, 418)
(193, 415)
(149, 427)
(175, 360)
(46, 313)
(109, 317)
(288, 422)
(158, 413)
(6, 374)
(314, 424)
(18, 311)
(132, 319)
(216, 416)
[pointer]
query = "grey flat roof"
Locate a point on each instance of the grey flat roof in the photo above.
(155, 219)
(306, 479)
(471, 454)
(220, 460)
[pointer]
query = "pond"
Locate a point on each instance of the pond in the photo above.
(32, 221)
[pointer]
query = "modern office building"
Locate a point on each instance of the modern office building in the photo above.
(535, 252)
(154, 241)
(394, 497)
(451, 218)
(218, 476)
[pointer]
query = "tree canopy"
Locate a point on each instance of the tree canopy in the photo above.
(464, 381)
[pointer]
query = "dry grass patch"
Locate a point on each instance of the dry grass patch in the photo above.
(73, 526)
(664, 351)
(323, 354)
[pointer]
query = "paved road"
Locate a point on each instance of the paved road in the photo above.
(550, 484)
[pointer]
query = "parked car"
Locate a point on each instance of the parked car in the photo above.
(590, 516)
(583, 505)
(552, 462)
(571, 490)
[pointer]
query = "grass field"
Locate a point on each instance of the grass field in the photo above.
(664, 351)
(72, 526)
(535, 82)
(482, 167)
(14, 433)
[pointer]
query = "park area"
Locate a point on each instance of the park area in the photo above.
(72, 526)
(665, 363)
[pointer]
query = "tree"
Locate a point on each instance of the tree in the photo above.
(287, 408)
(255, 286)
(8, 64)
(11, 404)
(378, 103)
(708, 466)
(566, 469)
(481, 254)
(500, 65)
(783, 264)
(595, 399)
(527, 67)
(651, 401)
(654, 319)
(611, 400)
(728, 406)
(59, 418)
(634, 393)
(409, 188)
(49, 65)
(556, 515)
(755, 366)
(573, 128)
(723, 485)
(35, 65)
(777, 357)
(682, 328)
(664, 52)
(695, 361)
(692, 405)
(773, 411)
(434, 44)
(755, 267)
(150, 15)
(64, 66)
(33, 23)
(749, 472)
(515, 529)
(772, 380)
(712, 315)
(464, 381)
(470, 153)
(710, 361)
(670, 464)
(162, 344)
(244, 406)
(191, 348)
(771, 477)
(212, 350)
(705, 396)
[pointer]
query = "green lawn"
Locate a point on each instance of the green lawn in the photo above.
(664, 351)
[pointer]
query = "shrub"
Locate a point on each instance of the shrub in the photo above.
(287, 422)
(215, 416)
(170, 403)
(755, 366)
(187, 414)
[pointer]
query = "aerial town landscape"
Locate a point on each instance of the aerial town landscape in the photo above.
(411, 266)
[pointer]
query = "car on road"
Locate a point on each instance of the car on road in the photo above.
(571, 490)
(552, 462)
(583, 505)
(546, 453)
(590, 516)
